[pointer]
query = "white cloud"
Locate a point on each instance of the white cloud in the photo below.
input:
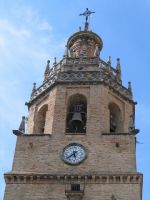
(24, 46)
(45, 26)
(26, 42)
(17, 41)
(7, 28)
(29, 39)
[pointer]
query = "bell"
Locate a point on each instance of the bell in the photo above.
(77, 117)
(76, 123)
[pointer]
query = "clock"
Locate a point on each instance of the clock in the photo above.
(74, 154)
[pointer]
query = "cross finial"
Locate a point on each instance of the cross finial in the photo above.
(86, 13)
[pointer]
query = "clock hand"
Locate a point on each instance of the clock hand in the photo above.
(70, 155)
(74, 154)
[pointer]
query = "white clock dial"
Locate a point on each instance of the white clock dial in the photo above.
(74, 154)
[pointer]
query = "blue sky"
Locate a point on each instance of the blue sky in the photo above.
(31, 32)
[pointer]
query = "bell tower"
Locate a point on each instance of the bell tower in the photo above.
(80, 141)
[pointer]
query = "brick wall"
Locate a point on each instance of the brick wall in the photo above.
(106, 154)
(43, 154)
(98, 100)
(57, 192)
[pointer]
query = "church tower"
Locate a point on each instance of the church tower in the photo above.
(80, 142)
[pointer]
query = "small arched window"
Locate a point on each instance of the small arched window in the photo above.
(115, 118)
(76, 114)
(39, 125)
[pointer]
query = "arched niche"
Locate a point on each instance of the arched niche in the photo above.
(39, 124)
(76, 114)
(115, 118)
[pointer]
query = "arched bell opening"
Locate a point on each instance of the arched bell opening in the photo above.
(76, 114)
(115, 118)
(39, 125)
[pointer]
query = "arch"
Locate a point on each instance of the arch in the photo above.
(76, 114)
(115, 118)
(39, 124)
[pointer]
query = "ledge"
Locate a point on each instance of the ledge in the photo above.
(82, 77)
(28, 178)
(117, 133)
(75, 133)
(74, 193)
(35, 135)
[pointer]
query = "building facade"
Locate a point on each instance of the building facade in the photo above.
(81, 139)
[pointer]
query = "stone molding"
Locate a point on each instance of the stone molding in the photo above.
(11, 178)
(80, 61)
(83, 77)
(85, 34)
(111, 133)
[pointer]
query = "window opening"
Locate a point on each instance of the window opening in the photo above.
(115, 118)
(76, 115)
(39, 126)
(75, 187)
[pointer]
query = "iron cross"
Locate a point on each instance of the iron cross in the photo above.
(87, 13)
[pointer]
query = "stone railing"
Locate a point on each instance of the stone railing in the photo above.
(80, 60)
(44, 86)
(87, 77)
(106, 74)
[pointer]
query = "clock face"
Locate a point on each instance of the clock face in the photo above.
(74, 154)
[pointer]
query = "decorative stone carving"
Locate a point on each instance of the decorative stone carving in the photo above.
(102, 76)
(118, 71)
(47, 71)
(81, 178)
(83, 43)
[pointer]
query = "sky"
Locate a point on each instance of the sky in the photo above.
(31, 32)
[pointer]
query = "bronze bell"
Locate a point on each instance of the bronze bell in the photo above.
(76, 124)
(76, 117)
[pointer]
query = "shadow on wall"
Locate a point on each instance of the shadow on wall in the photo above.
(40, 118)
(115, 118)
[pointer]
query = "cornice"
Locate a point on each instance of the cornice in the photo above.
(26, 178)
(85, 78)
(83, 71)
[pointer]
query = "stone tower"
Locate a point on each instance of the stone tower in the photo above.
(81, 139)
